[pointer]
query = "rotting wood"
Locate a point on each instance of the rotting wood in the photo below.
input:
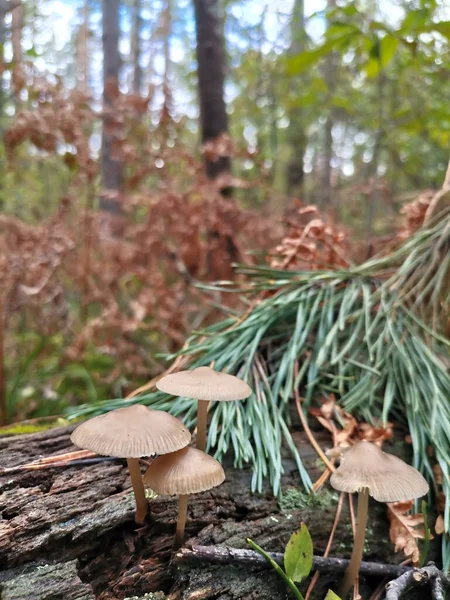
(81, 518)
(41, 581)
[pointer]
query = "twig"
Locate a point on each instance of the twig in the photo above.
(237, 556)
(305, 426)
(180, 361)
(61, 463)
(380, 589)
(330, 541)
(437, 197)
(414, 577)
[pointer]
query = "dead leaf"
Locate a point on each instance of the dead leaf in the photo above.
(439, 525)
(405, 529)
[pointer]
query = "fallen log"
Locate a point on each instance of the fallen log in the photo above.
(75, 524)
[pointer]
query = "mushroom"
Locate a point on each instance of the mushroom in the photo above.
(204, 384)
(132, 432)
(366, 469)
(187, 471)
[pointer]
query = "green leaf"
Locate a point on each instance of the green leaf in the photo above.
(388, 46)
(298, 556)
(32, 52)
(415, 22)
(443, 28)
(332, 596)
(304, 60)
(372, 67)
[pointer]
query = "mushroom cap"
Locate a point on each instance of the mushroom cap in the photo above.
(204, 383)
(387, 477)
(187, 471)
(132, 432)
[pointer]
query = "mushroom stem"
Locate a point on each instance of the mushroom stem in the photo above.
(181, 522)
(138, 488)
(358, 544)
(202, 417)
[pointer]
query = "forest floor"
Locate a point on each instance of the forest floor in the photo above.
(69, 533)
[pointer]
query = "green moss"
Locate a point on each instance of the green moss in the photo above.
(294, 498)
(22, 428)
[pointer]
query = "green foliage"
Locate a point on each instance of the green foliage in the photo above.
(298, 561)
(332, 596)
(288, 581)
(427, 535)
(298, 555)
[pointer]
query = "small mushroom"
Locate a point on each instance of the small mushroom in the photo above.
(204, 384)
(188, 471)
(366, 469)
(132, 432)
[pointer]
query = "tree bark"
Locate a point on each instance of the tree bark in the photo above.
(17, 16)
(3, 10)
(74, 527)
(166, 31)
(330, 76)
(297, 139)
(136, 47)
(82, 49)
(209, 22)
(111, 167)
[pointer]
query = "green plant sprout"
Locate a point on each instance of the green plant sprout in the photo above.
(298, 561)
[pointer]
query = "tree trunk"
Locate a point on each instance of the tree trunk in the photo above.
(82, 49)
(17, 17)
(111, 167)
(3, 11)
(69, 532)
(209, 22)
(297, 139)
(136, 47)
(166, 31)
(330, 76)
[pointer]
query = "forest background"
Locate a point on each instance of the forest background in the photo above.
(149, 146)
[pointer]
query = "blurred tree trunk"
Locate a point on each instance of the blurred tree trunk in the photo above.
(166, 26)
(3, 10)
(111, 168)
(82, 52)
(330, 76)
(17, 15)
(136, 46)
(209, 21)
(296, 136)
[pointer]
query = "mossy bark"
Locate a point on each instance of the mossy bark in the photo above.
(77, 524)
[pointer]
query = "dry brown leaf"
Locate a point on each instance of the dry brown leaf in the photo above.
(405, 529)
(439, 525)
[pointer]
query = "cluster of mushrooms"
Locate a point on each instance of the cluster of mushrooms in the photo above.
(136, 431)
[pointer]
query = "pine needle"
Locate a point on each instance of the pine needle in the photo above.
(371, 334)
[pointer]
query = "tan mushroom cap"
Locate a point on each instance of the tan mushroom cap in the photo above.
(188, 471)
(132, 432)
(204, 383)
(387, 477)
